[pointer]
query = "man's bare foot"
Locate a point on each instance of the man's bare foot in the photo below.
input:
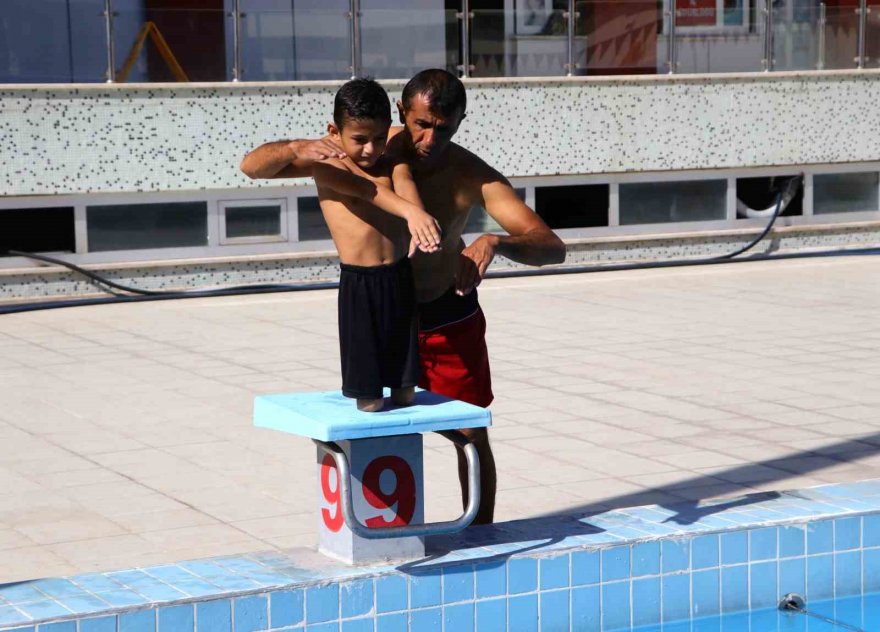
(403, 396)
(369, 405)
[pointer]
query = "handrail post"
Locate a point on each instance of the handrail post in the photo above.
(465, 17)
(355, 26)
(769, 42)
(236, 40)
(823, 21)
(111, 47)
(863, 26)
(570, 16)
(671, 43)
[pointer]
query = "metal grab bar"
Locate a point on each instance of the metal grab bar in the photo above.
(434, 528)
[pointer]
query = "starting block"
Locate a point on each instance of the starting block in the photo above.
(370, 468)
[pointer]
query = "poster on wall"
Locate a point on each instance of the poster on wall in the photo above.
(532, 15)
(696, 12)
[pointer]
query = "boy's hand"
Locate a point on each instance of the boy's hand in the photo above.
(316, 150)
(425, 231)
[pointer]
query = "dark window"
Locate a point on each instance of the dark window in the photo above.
(759, 194)
(578, 206)
(662, 202)
(253, 221)
(37, 230)
(142, 226)
(310, 220)
(845, 192)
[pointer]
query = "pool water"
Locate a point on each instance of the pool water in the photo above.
(858, 612)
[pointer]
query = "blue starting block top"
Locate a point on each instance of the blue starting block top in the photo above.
(330, 416)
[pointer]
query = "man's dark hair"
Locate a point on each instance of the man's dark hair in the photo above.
(443, 90)
(361, 99)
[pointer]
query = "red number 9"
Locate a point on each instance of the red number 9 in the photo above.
(404, 493)
(332, 521)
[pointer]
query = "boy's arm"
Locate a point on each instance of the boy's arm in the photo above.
(288, 158)
(405, 187)
(333, 174)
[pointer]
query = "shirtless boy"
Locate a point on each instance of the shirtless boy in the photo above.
(368, 222)
(450, 181)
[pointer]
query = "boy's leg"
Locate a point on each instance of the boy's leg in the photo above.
(403, 396)
(369, 404)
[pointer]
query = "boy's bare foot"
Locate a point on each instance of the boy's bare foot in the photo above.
(369, 405)
(403, 396)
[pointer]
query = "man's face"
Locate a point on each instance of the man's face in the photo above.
(362, 140)
(430, 131)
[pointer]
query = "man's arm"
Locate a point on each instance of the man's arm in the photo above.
(288, 158)
(405, 187)
(529, 239)
(334, 175)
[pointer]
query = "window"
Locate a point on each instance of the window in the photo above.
(144, 226)
(709, 15)
(579, 206)
(662, 202)
(310, 220)
(37, 230)
(756, 197)
(249, 221)
(845, 192)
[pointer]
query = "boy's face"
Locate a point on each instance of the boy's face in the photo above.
(362, 139)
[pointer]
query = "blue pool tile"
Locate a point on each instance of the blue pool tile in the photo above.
(820, 537)
(554, 610)
(615, 594)
(459, 617)
(43, 610)
(847, 573)
(61, 626)
(364, 624)
(57, 587)
(140, 621)
(763, 585)
(522, 575)
(96, 582)
(458, 583)
(322, 603)
(522, 614)
(586, 609)
(646, 559)
(286, 607)
(123, 597)
(159, 592)
(734, 588)
(214, 616)
(676, 597)
(491, 579)
(425, 590)
(554, 572)
(87, 604)
(356, 598)
(764, 620)
(792, 576)
(871, 530)
(615, 563)
(584, 568)
(820, 577)
(325, 627)
(791, 541)
(398, 622)
(98, 624)
(734, 547)
(706, 593)
(197, 588)
(429, 620)
(177, 618)
(646, 601)
(762, 544)
(675, 555)
(491, 615)
(847, 533)
(22, 593)
(251, 613)
(704, 551)
(872, 570)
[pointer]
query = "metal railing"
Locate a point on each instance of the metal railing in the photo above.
(571, 16)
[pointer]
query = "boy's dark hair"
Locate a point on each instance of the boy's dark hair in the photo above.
(443, 90)
(361, 99)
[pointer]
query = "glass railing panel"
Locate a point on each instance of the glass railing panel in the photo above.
(171, 44)
(308, 40)
(872, 37)
(797, 35)
(622, 37)
(529, 41)
(841, 35)
(398, 42)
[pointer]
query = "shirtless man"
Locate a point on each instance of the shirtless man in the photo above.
(450, 181)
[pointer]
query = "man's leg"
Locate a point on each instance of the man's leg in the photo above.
(480, 438)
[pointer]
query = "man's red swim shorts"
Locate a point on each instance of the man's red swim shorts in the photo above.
(455, 361)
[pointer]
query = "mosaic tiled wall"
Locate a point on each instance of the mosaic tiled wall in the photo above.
(323, 267)
(628, 567)
(98, 138)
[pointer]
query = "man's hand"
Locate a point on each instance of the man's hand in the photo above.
(425, 230)
(315, 150)
(473, 262)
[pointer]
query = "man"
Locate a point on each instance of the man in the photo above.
(450, 181)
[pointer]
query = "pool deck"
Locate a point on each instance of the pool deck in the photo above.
(126, 436)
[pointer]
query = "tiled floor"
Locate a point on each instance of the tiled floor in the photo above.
(126, 436)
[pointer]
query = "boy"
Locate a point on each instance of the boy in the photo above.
(368, 221)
